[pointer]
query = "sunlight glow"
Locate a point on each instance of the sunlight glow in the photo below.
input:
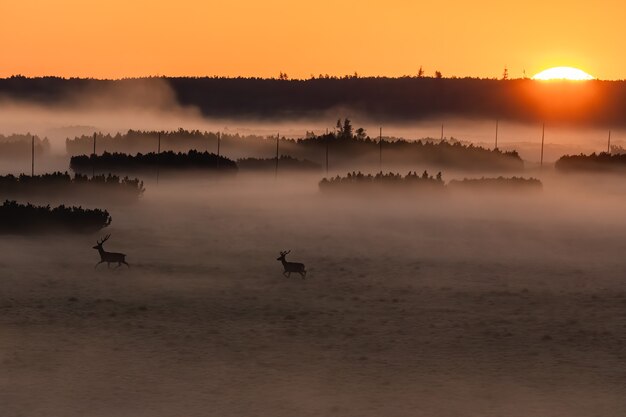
(563, 73)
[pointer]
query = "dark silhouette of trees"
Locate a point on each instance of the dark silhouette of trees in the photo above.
(347, 146)
(285, 162)
(19, 146)
(116, 162)
(57, 185)
(27, 218)
(499, 183)
(382, 99)
(382, 181)
(595, 162)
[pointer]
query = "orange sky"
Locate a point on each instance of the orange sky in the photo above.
(115, 38)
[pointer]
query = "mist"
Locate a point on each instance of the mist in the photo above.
(436, 304)
(450, 304)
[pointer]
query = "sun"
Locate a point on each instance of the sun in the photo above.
(563, 73)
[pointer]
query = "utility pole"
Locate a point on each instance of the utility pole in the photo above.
(276, 169)
(543, 135)
(93, 164)
(496, 148)
(327, 151)
(158, 157)
(32, 163)
(442, 132)
(380, 151)
(218, 150)
(608, 149)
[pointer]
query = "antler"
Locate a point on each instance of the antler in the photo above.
(100, 242)
(283, 253)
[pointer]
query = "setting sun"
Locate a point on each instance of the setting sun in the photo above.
(563, 73)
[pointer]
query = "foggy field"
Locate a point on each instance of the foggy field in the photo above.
(454, 304)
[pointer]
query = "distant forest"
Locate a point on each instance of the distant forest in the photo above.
(18, 146)
(600, 103)
(346, 146)
(595, 162)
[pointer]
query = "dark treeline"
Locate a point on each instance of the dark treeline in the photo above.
(603, 161)
(347, 146)
(499, 183)
(600, 103)
(137, 141)
(56, 185)
(359, 181)
(118, 162)
(27, 218)
(284, 162)
(18, 146)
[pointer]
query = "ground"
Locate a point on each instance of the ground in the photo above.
(450, 305)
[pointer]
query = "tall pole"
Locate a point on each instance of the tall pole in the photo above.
(442, 132)
(496, 148)
(276, 169)
(543, 135)
(608, 149)
(158, 157)
(380, 150)
(218, 150)
(327, 151)
(32, 159)
(93, 164)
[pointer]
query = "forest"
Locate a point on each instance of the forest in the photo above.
(499, 183)
(28, 218)
(602, 161)
(59, 184)
(403, 99)
(169, 160)
(20, 146)
(345, 147)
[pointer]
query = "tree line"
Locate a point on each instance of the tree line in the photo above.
(28, 218)
(345, 147)
(598, 103)
(59, 184)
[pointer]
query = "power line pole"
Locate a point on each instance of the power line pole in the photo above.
(380, 150)
(327, 151)
(543, 134)
(608, 149)
(496, 148)
(276, 169)
(32, 163)
(93, 164)
(218, 149)
(158, 157)
(442, 132)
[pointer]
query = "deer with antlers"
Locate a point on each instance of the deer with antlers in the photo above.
(290, 267)
(109, 257)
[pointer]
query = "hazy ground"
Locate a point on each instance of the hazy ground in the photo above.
(452, 305)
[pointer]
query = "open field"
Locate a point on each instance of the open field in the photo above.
(445, 305)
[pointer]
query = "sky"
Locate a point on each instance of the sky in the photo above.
(126, 38)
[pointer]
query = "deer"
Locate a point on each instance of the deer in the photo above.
(109, 257)
(290, 267)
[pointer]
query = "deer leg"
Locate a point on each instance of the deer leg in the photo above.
(109, 265)
(303, 273)
(285, 274)
(118, 265)
(125, 263)
(97, 264)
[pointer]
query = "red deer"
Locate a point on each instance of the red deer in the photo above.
(109, 257)
(290, 267)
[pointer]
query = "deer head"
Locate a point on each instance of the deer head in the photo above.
(282, 256)
(100, 242)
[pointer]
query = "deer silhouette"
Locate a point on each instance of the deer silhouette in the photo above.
(290, 267)
(109, 257)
